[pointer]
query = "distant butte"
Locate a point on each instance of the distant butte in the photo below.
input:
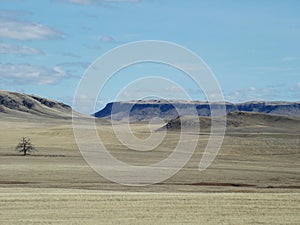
(144, 110)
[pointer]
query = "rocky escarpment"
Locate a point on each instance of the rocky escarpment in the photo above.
(146, 110)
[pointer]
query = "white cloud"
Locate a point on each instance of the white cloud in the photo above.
(253, 94)
(107, 38)
(24, 30)
(23, 74)
(83, 65)
(268, 93)
(252, 89)
(6, 48)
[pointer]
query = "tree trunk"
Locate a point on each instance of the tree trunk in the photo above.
(24, 151)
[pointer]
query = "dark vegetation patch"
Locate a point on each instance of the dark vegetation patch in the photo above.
(221, 184)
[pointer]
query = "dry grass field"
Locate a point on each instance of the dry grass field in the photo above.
(255, 179)
(69, 206)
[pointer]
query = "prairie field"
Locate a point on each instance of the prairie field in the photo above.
(69, 206)
(149, 112)
(253, 180)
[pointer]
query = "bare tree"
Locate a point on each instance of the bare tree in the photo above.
(25, 146)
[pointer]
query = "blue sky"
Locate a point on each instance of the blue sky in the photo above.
(252, 47)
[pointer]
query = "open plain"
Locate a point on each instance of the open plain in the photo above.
(254, 179)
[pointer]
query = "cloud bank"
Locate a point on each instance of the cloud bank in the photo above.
(14, 28)
(6, 48)
(26, 74)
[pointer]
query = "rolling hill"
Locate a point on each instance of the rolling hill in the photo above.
(239, 120)
(23, 105)
(252, 115)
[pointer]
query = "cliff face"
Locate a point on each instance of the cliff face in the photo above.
(146, 110)
(274, 108)
(12, 103)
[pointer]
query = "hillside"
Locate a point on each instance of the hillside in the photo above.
(256, 122)
(23, 105)
(146, 110)
(263, 114)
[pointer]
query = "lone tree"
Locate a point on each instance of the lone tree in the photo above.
(25, 146)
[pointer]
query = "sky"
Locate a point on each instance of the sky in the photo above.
(252, 47)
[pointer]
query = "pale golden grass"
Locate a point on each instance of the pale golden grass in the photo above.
(63, 206)
(56, 186)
